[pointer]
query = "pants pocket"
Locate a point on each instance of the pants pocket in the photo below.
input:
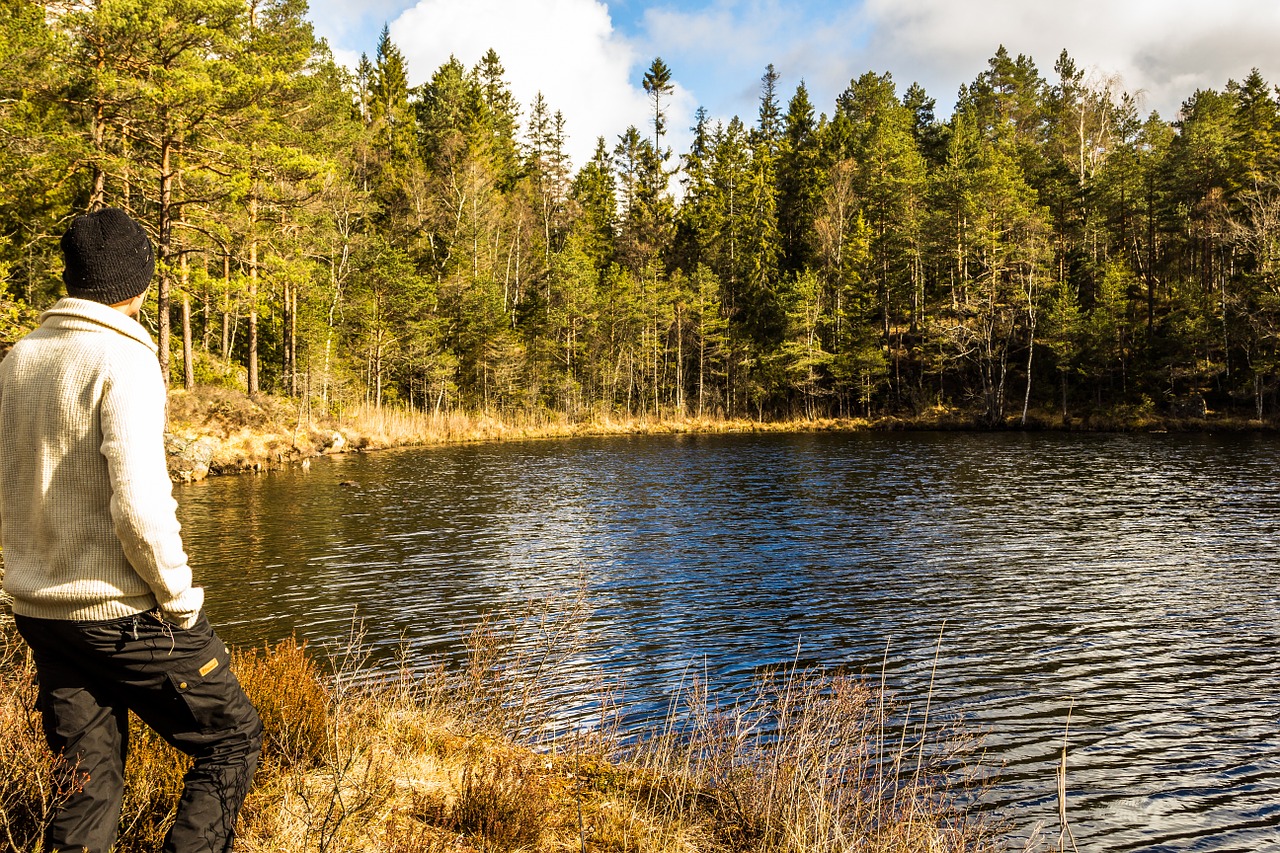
(209, 689)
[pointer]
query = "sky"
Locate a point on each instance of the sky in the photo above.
(588, 57)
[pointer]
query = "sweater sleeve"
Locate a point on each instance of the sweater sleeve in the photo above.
(142, 505)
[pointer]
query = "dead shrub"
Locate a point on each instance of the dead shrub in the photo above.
(401, 834)
(283, 683)
(29, 792)
(28, 797)
(502, 803)
(508, 683)
(806, 762)
(287, 688)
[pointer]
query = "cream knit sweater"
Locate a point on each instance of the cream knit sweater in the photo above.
(87, 515)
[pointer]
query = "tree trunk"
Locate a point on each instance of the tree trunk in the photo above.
(188, 365)
(226, 305)
(679, 363)
(164, 253)
(293, 341)
(286, 369)
(253, 298)
(97, 197)
(1031, 341)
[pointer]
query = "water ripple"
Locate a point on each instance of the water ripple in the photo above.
(1129, 581)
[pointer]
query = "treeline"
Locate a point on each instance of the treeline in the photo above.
(346, 237)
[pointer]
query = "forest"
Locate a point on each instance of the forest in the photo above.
(342, 237)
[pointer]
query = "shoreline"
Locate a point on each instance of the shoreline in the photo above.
(216, 432)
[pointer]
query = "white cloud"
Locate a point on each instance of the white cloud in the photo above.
(567, 49)
(1164, 48)
(718, 49)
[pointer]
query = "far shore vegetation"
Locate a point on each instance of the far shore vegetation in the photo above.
(1049, 253)
(480, 757)
(215, 430)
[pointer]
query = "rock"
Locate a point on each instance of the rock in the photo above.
(189, 458)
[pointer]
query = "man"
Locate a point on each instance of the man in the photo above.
(94, 561)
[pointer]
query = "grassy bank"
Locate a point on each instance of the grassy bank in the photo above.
(218, 431)
(474, 760)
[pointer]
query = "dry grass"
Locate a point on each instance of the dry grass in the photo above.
(813, 762)
(225, 431)
(472, 760)
(27, 794)
(230, 432)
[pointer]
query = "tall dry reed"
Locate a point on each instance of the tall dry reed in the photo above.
(480, 757)
(812, 761)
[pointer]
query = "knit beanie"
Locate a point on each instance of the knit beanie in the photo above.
(108, 257)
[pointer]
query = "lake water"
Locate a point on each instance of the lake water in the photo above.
(1132, 581)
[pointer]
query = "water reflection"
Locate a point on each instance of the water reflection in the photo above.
(1131, 579)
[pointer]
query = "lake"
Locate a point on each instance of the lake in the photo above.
(1131, 581)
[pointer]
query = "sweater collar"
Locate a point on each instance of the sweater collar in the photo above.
(103, 315)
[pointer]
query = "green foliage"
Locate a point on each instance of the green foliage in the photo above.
(216, 373)
(290, 693)
(657, 83)
(350, 238)
(801, 173)
(16, 319)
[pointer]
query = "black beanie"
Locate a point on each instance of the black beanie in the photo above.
(108, 257)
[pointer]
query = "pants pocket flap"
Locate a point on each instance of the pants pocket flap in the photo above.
(193, 673)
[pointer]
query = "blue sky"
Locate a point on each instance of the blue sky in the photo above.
(587, 57)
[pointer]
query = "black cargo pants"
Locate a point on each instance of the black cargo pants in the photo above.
(179, 682)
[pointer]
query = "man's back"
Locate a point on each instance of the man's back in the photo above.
(86, 509)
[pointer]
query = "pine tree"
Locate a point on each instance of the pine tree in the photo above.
(1006, 102)
(449, 109)
(393, 149)
(1000, 235)
(657, 84)
(1201, 156)
(41, 144)
(547, 165)
(929, 133)
(801, 178)
(500, 118)
(763, 243)
(769, 127)
(177, 88)
(280, 145)
(802, 356)
(1256, 131)
(593, 196)
(889, 180)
